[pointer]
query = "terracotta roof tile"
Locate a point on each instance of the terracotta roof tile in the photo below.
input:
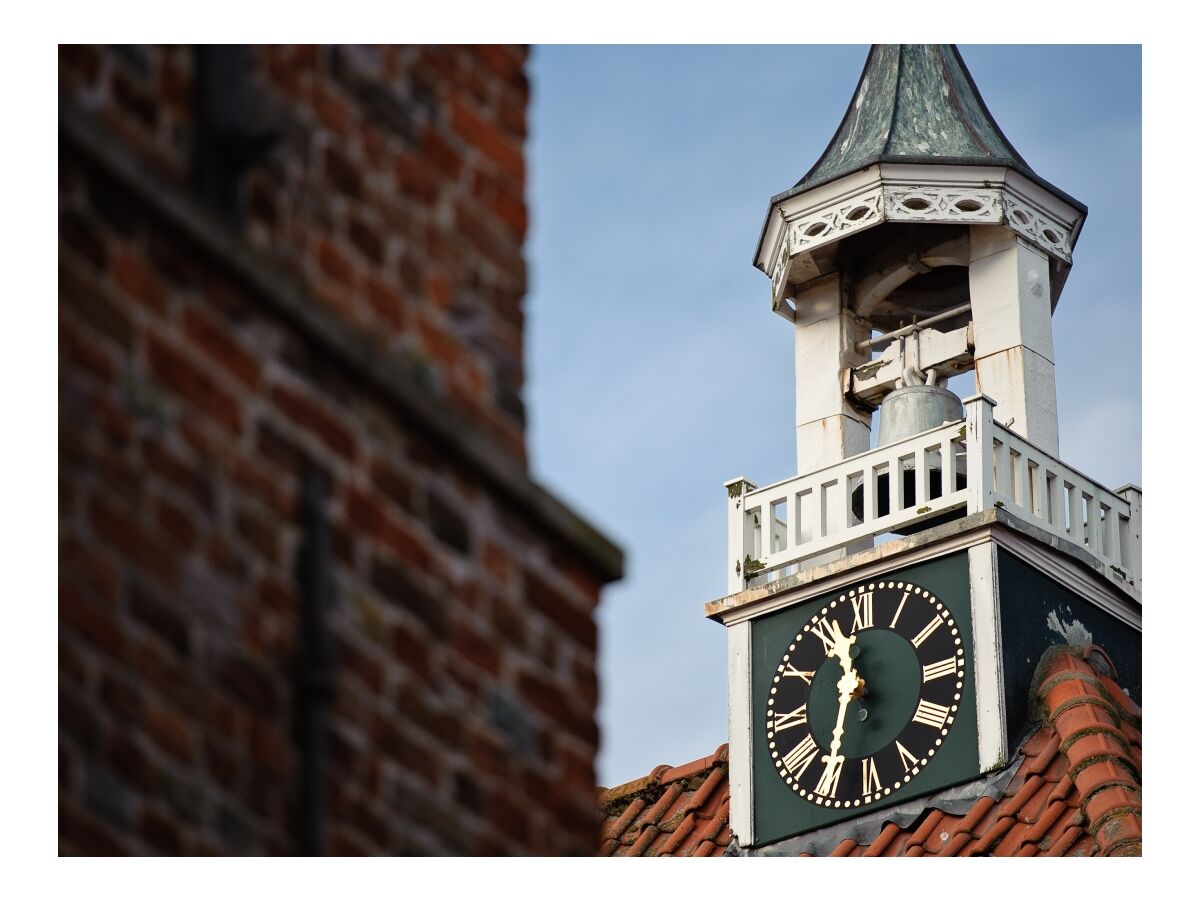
(1006, 842)
(1012, 805)
(1066, 841)
(844, 848)
(924, 831)
(1076, 790)
(673, 811)
(1037, 804)
(886, 837)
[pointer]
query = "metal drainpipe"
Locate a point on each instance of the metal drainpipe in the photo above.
(314, 676)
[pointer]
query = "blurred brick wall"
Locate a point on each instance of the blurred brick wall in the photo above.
(356, 311)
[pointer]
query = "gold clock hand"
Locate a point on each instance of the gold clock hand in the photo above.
(848, 685)
(841, 646)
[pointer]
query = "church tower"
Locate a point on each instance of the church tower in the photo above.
(887, 608)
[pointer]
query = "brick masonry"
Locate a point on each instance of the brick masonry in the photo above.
(462, 708)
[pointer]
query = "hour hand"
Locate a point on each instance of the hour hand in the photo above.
(841, 646)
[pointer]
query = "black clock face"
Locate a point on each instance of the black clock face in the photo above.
(865, 695)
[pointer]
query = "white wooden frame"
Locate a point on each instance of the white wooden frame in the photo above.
(769, 527)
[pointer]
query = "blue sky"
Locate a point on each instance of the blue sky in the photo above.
(656, 368)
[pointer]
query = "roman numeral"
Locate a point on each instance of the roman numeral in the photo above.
(864, 611)
(896, 617)
(801, 756)
(939, 669)
(795, 717)
(927, 631)
(793, 672)
(907, 760)
(931, 714)
(824, 631)
(828, 784)
(870, 776)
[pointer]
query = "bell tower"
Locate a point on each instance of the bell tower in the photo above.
(880, 603)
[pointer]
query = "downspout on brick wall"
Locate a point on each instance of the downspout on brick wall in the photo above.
(315, 671)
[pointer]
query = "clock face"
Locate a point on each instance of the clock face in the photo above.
(865, 695)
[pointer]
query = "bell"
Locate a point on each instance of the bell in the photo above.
(907, 411)
(910, 410)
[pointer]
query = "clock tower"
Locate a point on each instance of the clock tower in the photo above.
(888, 606)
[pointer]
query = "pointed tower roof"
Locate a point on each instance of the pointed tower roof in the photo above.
(916, 103)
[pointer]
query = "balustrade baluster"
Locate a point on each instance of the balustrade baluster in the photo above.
(949, 467)
(870, 502)
(895, 481)
(1039, 505)
(1075, 512)
(1002, 460)
(1093, 524)
(1111, 541)
(921, 462)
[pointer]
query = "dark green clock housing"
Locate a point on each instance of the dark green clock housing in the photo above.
(862, 698)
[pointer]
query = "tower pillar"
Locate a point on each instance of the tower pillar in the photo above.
(1014, 349)
(828, 428)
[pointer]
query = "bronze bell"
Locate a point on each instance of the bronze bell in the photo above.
(907, 411)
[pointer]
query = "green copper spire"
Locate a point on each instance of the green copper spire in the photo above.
(915, 103)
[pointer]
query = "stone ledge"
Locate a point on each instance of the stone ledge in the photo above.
(400, 380)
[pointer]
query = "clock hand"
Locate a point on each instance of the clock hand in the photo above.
(841, 646)
(848, 686)
(841, 649)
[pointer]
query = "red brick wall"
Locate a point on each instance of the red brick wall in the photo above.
(395, 189)
(462, 706)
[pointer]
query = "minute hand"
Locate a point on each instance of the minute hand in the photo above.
(834, 760)
(848, 686)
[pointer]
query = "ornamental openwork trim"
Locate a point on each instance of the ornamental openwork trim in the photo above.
(942, 204)
(824, 226)
(912, 202)
(1032, 223)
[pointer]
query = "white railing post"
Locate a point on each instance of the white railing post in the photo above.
(737, 489)
(1131, 546)
(979, 452)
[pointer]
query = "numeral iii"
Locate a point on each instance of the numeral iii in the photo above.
(939, 669)
(931, 714)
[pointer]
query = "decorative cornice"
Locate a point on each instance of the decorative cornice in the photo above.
(1076, 569)
(908, 193)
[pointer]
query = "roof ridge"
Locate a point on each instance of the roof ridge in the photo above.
(650, 788)
(1070, 695)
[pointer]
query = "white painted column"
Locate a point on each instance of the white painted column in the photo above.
(1014, 348)
(741, 788)
(828, 429)
(988, 652)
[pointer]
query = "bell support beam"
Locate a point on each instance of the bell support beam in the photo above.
(1014, 351)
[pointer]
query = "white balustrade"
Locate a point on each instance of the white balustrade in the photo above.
(970, 466)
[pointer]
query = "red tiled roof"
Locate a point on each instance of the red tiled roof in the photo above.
(1075, 792)
(681, 811)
